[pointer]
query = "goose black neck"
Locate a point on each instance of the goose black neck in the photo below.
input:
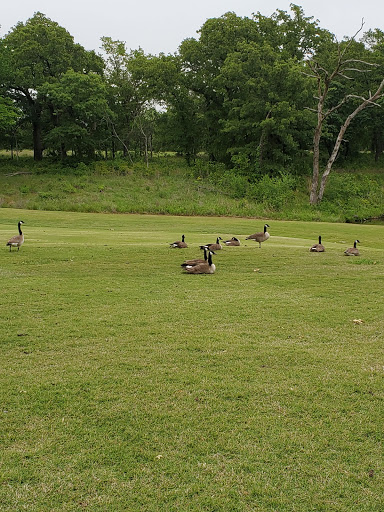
(319, 239)
(19, 226)
(182, 238)
(210, 258)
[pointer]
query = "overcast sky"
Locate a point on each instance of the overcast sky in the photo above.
(161, 25)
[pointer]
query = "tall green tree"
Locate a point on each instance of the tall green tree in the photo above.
(372, 125)
(202, 62)
(8, 114)
(248, 73)
(126, 94)
(79, 109)
(9, 118)
(147, 90)
(37, 53)
(265, 119)
(166, 87)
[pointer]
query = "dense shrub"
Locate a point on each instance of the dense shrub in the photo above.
(274, 191)
(358, 196)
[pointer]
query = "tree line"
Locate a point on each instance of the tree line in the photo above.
(261, 95)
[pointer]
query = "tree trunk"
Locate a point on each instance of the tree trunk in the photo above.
(113, 149)
(315, 196)
(378, 145)
(63, 152)
(37, 140)
(335, 151)
(313, 199)
(262, 144)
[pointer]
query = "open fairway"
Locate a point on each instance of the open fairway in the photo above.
(127, 385)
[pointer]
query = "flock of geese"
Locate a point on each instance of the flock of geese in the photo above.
(206, 265)
(199, 265)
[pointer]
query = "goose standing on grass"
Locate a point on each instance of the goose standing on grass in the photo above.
(213, 247)
(260, 237)
(207, 267)
(234, 242)
(353, 251)
(17, 240)
(179, 244)
(317, 247)
(196, 261)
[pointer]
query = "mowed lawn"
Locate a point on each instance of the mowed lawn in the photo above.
(127, 385)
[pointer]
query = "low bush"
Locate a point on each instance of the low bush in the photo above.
(276, 192)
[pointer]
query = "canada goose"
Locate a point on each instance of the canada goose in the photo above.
(178, 244)
(232, 242)
(213, 247)
(260, 237)
(353, 251)
(196, 261)
(17, 240)
(207, 267)
(317, 247)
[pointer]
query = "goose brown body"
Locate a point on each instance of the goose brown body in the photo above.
(317, 247)
(17, 240)
(213, 247)
(196, 261)
(207, 267)
(353, 251)
(260, 237)
(180, 244)
(234, 242)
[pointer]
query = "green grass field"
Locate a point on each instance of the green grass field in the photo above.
(127, 385)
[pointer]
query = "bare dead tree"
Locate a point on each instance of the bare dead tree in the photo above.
(145, 137)
(111, 124)
(343, 68)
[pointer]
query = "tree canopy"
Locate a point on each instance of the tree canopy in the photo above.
(261, 95)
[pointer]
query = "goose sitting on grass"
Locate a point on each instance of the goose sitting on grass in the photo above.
(317, 247)
(260, 237)
(353, 251)
(196, 261)
(234, 242)
(179, 244)
(207, 267)
(17, 240)
(213, 247)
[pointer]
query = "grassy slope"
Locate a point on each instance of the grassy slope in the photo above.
(127, 385)
(170, 187)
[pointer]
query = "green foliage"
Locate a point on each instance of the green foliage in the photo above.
(346, 185)
(359, 196)
(169, 186)
(8, 114)
(80, 107)
(24, 189)
(274, 191)
(37, 55)
(242, 94)
(249, 73)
